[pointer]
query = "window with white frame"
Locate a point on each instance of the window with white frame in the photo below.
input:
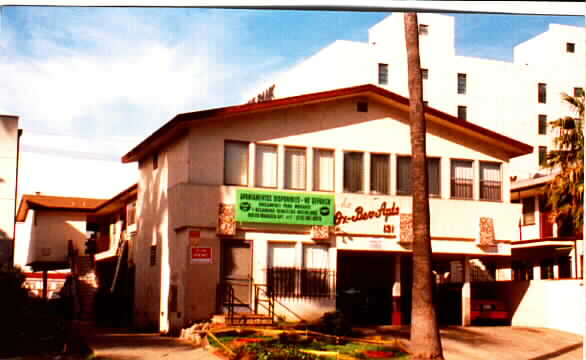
(295, 168)
(353, 171)
(323, 170)
(379, 173)
(265, 165)
(462, 179)
(236, 163)
(490, 181)
(404, 176)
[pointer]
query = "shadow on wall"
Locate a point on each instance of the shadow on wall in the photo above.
(5, 248)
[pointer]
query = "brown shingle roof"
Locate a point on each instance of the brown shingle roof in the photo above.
(89, 205)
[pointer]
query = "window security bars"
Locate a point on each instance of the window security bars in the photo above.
(301, 283)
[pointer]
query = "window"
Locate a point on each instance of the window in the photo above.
(461, 83)
(542, 155)
(578, 92)
(404, 176)
(462, 179)
(353, 170)
(424, 74)
(528, 211)
(570, 47)
(295, 168)
(546, 267)
(542, 124)
(383, 74)
(236, 163)
(362, 106)
(155, 161)
(379, 173)
(323, 170)
(266, 166)
(316, 279)
(462, 112)
(490, 181)
(541, 93)
(289, 277)
(433, 176)
(423, 29)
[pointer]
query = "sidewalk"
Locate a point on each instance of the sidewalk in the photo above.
(491, 342)
(122, 344)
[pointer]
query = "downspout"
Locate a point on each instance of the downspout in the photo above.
(15, 196)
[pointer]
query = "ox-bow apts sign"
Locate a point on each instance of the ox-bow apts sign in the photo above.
(279, 207)
(366, 215)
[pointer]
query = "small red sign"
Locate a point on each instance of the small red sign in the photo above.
(201, 255)
(194, 234)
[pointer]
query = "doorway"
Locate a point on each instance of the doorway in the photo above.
(236, 272)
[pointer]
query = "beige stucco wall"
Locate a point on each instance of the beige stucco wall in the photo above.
(8, 154)
(184, 192)
(554, 304)
(51, 232)
(152, 282)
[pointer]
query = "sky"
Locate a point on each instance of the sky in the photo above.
(91, 83)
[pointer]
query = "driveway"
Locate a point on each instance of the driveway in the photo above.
(497, 342)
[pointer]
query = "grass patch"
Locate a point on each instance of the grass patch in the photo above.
(288, 346)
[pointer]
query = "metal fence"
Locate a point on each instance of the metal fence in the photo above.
(301, 283)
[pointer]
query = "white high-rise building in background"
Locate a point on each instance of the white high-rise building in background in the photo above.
(516, 98)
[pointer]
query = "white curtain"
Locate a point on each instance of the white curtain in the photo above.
(266, 166)
(295, 168)
(323, 173)
(236, 163)
(281, 255)
(315, 257)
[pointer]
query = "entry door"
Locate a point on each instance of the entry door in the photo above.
(236, 270)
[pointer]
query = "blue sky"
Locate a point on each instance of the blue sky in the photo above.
(111, 76)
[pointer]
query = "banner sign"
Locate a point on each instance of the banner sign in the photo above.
(201, 255)
(279, 207)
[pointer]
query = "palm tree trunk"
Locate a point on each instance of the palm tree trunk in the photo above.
(425, 339)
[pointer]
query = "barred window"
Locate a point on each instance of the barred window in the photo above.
(404, 176)
(542, 130)
(490, 181)
(462, 179)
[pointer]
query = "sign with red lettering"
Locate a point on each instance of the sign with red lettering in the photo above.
(201, 255)
(194, 236)
(367, 215)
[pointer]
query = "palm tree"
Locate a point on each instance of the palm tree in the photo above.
(566, 191)
(425, 339)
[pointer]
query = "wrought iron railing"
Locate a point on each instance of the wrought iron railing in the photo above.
(301, 283)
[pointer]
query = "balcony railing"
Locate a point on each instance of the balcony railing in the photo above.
(301, 283)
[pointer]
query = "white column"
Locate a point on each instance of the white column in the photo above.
(251, 166)
(445, 176)
(366, 173)
(536, 272)
(339, 170)
(466, 292)
(393, 174)
(476, 169)
(556, 268)
(280, 166)
(309, 169)
(396, 302)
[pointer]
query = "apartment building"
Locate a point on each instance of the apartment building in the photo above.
(9, 151)
(307, 198)
(516, 99)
